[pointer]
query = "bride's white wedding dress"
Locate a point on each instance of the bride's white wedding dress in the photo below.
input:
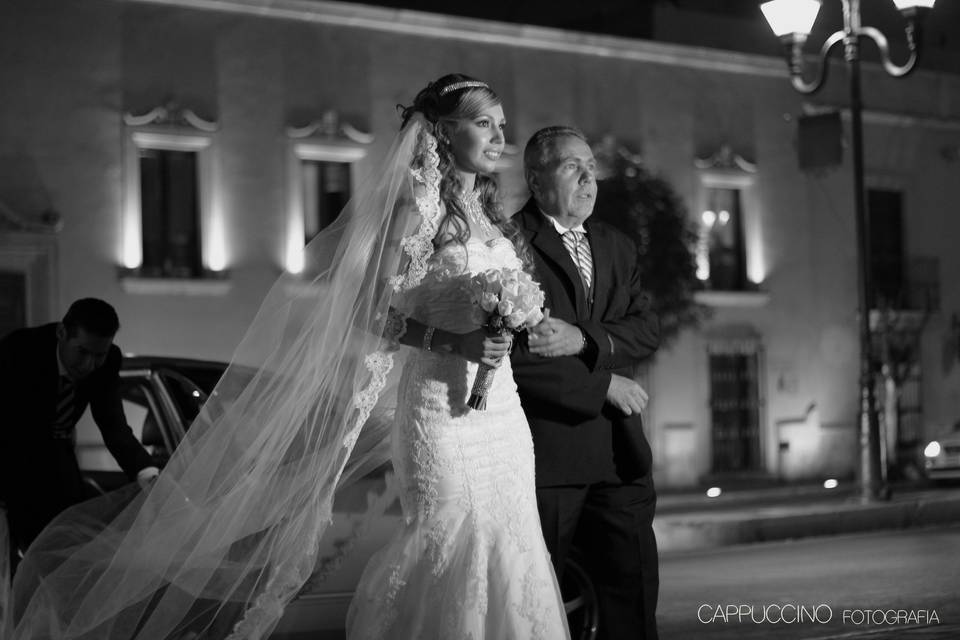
(470, 563)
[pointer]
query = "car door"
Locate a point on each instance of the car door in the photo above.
(149, 416)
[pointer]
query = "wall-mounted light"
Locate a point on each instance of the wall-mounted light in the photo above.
(295, 258)
(707, 218)
(756, 262)
(132, 250)
(216, 241)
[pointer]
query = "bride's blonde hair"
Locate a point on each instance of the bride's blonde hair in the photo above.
(447, 100)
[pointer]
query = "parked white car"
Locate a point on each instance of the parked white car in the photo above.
(942, 455)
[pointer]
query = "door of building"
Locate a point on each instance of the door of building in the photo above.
(13, 301)
(735, 412)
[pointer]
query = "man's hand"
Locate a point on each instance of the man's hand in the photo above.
(147, 476)
(626, 395)
(553, 337)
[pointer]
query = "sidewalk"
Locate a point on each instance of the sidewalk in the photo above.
(690, 520)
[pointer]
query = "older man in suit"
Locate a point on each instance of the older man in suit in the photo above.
(49, 375)
(593, 462)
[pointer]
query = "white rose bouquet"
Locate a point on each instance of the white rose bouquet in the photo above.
(511, 301)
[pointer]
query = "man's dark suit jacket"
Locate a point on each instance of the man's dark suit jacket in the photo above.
(577, 437)
(39, 475)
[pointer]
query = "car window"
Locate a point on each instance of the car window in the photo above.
(186, 394)
(136, 397)
(205, 377)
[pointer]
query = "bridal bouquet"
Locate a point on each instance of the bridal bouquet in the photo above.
(510, 301)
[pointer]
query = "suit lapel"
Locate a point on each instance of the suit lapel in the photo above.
(545, 239)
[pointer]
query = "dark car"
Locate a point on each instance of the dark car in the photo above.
(162, 396)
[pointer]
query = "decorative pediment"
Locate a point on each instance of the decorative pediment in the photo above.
(725, 159)
(612, 156)
(330, 126)
(171, 114)
(734, 339)
(47, 222)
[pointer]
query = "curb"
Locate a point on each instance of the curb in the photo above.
(712, 529)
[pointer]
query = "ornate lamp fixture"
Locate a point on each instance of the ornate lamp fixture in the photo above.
(792, 21)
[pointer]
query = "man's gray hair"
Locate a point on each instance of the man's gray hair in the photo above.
(536, 153)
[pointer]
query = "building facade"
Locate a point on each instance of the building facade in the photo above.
(173, 156)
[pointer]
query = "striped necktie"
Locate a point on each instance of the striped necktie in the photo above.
(579, 250)
(63, 417)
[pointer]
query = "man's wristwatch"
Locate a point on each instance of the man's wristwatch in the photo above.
(583, 342)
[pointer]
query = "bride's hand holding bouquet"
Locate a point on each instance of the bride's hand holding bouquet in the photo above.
(509, 301)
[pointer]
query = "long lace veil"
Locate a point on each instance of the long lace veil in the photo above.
(228, 533)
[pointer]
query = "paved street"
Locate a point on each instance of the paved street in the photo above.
(887, 585)
(941, 631)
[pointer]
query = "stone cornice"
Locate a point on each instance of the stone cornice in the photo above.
(433, 25)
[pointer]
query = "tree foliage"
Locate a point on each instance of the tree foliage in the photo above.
(648, 209)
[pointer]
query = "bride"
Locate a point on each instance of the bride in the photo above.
(229, 532)
(471, 561)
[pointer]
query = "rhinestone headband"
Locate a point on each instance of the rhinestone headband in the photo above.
(466, 84)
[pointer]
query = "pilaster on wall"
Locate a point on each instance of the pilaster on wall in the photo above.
(28, 246)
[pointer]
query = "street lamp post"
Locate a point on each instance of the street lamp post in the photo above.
(791, 21)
